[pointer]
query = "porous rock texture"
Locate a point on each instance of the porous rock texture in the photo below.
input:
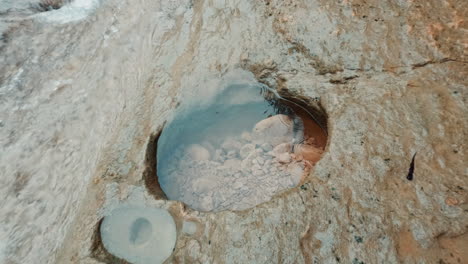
(82, 102)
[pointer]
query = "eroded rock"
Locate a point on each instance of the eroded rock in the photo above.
(79, 106)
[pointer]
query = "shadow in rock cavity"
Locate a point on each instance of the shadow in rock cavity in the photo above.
(245, 145)
(99, 252)
(151, 182)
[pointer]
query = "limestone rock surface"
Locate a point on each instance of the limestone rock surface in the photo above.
(82, 102)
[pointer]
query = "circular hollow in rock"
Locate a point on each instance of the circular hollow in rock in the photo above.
(140, 231)
(238, 151)
(139, 235)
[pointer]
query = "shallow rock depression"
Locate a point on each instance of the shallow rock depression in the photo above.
(238, 150)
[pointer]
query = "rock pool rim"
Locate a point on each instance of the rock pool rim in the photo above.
(313, 107)
(99, 252)
(315, 112)
(157, 246)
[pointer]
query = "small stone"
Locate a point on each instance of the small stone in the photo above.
(197, 152)
(257, 172)
(218, 155)
(260, 160)
(232, 163)
(246, 136)
(274, 130)
(231, 144)
(284, 158)
(246, 150)
(281, 148)
(266, 147)
(311, 141)
(308, 152)
(208, 146)
(203, 185)
(214, 163)
(231, 154)
(296, 171)
(451, 201)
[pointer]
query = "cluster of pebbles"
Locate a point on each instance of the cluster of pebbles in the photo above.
(246, 170)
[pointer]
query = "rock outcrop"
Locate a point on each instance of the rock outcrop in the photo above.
(82, 102)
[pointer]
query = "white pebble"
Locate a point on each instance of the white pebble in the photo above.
(231, 154)
(274, 130)
(296, 170)
(284, 158)
(266, 147)
(218, 155)
(197, 152)
(281, 148)
(246, 136)
(246, 150)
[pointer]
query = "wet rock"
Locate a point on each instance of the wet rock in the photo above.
(246, 136)
(281, 148)
(219, 155)
(231, 144)
(266, 147)
(189, 227)
(284, 158)
(203, 185)
(296, 170)
(232, 163)
(206, 204)
(231, 154)
(308, 152)
(197, 152)
(260, 160)
(274, 130)
(246, 150)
